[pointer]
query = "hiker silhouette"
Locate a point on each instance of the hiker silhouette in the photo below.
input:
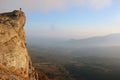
(20, 9)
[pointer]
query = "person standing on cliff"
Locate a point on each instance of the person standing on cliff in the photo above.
(20, 9)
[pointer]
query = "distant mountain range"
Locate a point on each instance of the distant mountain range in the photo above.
(100, 41)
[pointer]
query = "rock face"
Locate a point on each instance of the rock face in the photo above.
(15, 63)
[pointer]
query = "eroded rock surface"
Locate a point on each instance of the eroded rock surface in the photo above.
(15, 63)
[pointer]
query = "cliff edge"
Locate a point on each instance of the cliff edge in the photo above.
(15, 63)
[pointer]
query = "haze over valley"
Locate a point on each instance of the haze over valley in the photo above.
(94, 58)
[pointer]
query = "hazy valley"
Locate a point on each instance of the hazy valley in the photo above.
(71, 62)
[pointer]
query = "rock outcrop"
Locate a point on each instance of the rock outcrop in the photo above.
(15, 63)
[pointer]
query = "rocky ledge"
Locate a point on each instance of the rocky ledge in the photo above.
(15, 62)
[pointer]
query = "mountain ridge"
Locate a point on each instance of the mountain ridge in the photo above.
(108, 40)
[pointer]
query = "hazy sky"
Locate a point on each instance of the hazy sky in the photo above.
(68, 18)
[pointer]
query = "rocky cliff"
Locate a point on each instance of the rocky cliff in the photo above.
(15, 63)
